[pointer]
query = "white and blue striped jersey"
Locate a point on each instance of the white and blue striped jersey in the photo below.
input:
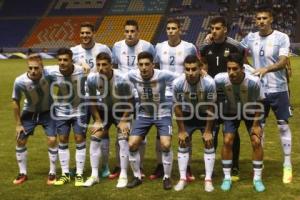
(266, 51)
(151, 93)
(37, 93)
(172, 58)
(117, 89)
(126, 56)
(82, 55)
(191, 96)
(68, 91)
(237, 95)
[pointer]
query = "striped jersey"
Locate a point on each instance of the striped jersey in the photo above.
(126, 56)
(117, 89)
(237, 95)
(68, 91)
(171, 58)
(265, 51)
(151, 93)
(81, 55)
(192, 96)
(37, 93)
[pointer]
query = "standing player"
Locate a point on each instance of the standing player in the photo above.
(170, 56)
(69, 112)
(243, 95)
(153, 109)
(85, 54)
(269, 50)
(214, 56)
(36, 111)
(124, 57)
(113, 89)
(190, 91)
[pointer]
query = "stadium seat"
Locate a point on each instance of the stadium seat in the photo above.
(55, 32)
(112, 28)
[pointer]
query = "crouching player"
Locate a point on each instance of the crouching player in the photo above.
(114, 92)
(194, 97)
(243, 95)
(36, 111)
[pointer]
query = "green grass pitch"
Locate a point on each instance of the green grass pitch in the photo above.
(35, 188)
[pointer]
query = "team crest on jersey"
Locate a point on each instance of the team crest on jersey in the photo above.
(179, 53)
(124, 53)
(210, 53)
(226, 52)
(165, 52)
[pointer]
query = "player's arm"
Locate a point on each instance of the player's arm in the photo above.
(281, 64)
(208, 135)
(17, 115)
(182, 134)
(98, 123)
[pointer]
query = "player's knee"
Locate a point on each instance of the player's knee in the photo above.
(79, 138)
(21, 143)
(255, 141)
(228, 140)
(165, 146)
(52, 142)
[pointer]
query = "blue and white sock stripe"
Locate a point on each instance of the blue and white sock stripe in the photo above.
(63, 146)
(80, 146)
(21, 149)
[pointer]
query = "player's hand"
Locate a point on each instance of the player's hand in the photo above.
(183, 138)
(19, 130)
(97, 127)
(257, 130)
(260, 72)
(208, 138)
(124, 128)
(208, 39)
(86, 68)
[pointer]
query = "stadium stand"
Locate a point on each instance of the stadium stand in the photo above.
(138, 6)
(112, 27)
(55, 32)
(13, 31)
(77, 7)
(28, 8)
(54, 23)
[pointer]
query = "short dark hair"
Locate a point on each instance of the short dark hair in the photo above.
(193, 59)
(237, 58)
(218, 19)
(132, 22)
(145, 54)
(89, 25)
(264, 8)
(174, 20)
(103, 56)
(64, 51)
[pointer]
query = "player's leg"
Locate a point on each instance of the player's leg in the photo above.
(257, 157)
(79, 129)
(183, 157)
(280, 107)
(63, 128)
(28, 123)
(96, 153)
(124, 157)
(209, 162)
(164, 127)
(48, 124)
(230, 127)
(139, 130)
